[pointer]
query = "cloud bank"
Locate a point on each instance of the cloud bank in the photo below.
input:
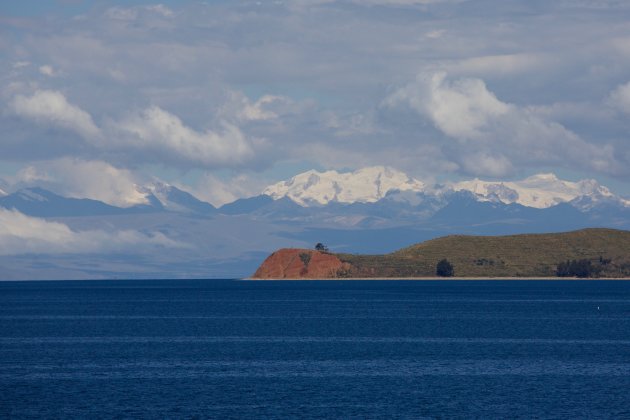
(21, 234)
(155, 130)
(493, 136)
(243, 90)
(52, 107)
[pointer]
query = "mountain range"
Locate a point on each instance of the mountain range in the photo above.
(371, 210)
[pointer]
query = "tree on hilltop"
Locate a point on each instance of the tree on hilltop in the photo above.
(321, 247)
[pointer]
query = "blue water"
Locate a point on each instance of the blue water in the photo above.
(238, 349)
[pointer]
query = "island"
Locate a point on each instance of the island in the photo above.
(586, 253)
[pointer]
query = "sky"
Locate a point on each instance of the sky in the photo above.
(222, 98)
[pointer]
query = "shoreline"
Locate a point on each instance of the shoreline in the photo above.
(440, 278)
(336, 279)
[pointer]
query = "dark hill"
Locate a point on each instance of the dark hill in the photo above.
(39, 202)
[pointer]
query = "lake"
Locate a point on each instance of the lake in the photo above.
(312, 349)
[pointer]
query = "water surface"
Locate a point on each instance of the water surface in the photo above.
(226, 349)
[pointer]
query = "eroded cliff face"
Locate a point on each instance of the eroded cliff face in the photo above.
(292, 263)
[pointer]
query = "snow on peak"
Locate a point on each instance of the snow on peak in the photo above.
(539, 191)
(365, 185)
(371, 184)
(32, 194)
(172, 198)
(158, 189)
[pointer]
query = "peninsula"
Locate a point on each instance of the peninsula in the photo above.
(602, 253)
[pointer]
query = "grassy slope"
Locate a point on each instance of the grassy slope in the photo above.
(532, 255)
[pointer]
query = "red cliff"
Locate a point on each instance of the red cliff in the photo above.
(291, 263)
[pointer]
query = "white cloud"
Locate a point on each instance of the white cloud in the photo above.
(462, 109)
(21, 234)
(82, 179)
(494, 165)
(119, 13)
(620, 98)
(495, 137)
(238, 107)
(404, 2)
(52, 107)
(435, 34)
(156, 130)
(130, 14)
(97, 180)
(217, 192)
(152, 134)
(160, 9)
(349, 125)
(500, 64)
(117, 75)
(258, 111)
(30, 175)
(47, 70)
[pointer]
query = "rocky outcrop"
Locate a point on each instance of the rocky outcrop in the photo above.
(292, 263)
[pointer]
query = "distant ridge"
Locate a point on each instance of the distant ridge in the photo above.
(39, 202)
(526, 255)
(42, 203)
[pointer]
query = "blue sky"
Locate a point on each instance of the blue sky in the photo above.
(223, 98)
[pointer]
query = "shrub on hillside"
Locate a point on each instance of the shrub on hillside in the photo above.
(306, 258)
(444, 269)
(578, 268)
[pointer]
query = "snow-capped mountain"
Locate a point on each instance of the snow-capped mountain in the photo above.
(372, 184)
(366, 185)
(540, 191)
(173, 199)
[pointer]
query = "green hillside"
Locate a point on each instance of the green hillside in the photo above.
(530, 255)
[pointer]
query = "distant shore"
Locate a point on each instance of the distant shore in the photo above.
(443, 278)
